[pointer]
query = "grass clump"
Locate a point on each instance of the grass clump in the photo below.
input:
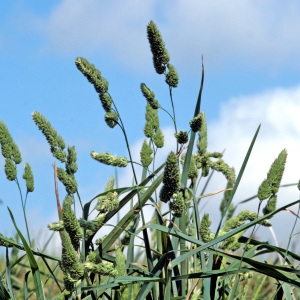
(180, 257)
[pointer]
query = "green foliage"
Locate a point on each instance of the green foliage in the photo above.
(176, 255)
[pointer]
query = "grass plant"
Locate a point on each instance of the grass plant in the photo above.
(180, 257)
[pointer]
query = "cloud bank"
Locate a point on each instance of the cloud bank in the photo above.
(253, 33)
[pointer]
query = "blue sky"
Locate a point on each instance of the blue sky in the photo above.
(252, 75)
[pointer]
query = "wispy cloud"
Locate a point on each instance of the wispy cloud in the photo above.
(254, 34)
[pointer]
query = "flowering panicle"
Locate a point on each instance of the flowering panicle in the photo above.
(9, 148)
(95, 78)
(150, 96)
(71, 224)
(205, 232)
(10, 169)
(182, 137)
(171, 179)
(70, 264)
(172, 77)
(92, 226)
(151, 129)
(29, 178)
(101, 86)
(152, 121)
(68, 180)
(226, 198)
(193, 172)
(145, 154)
(160, 55)
(56, 226)
(109, 159)
(202, 140)
(158, 138)
(56, 142)
(232, 223)
(269, 187)
(120, 262)
(235, 222)
(177, 205)
(110, 200)
(196, 123)
(111, 119)
(10, 152)
(104, 268)
(71, 164)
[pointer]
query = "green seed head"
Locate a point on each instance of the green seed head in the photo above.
(152, 121)
(104, 268)
(71, 165)
(69, 262)
(178, 206)
(120, 262)
(28, 177)
(106, 101)
(108, 202)
(108, 159)
(205, 232)
(95, 78)
(172, 77)
(264, 191)
(57, 226)
(226, 196)
(71, 224)
(158, 138)
(271, 205)
(56, 142)
(160, 54)
(276, 171)
(110, 184)
(171, 179)
(10, 169)
(182, 137)
(150, 96)
(202, 140)
(67, 180)
(193, 172)
(9, 148)
(145, 153)
(111, 119)
(196, 123)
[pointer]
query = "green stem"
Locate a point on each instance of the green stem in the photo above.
(24, 212)
(145, 234)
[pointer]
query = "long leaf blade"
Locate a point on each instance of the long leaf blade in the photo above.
(33, 264)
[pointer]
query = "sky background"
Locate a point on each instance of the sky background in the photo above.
(252, 76)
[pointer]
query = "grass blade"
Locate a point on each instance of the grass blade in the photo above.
(238, 180)
(33, 264)
(8, 277)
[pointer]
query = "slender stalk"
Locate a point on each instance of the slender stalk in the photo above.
(24, 211)
(144, 230)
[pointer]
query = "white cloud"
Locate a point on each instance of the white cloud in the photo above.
(116, 28)
(277, 111)
(255, 34)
